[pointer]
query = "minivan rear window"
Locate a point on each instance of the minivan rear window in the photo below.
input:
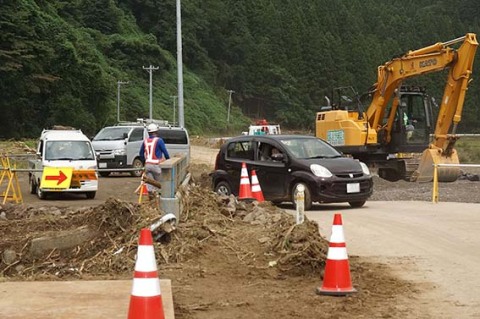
(173, 136)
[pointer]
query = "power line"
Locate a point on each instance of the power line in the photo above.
(150, 70)
(229, 103)
(174, 98)
(119, 83)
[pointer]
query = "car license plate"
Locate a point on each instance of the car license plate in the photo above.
(102, 165)
(353, 188)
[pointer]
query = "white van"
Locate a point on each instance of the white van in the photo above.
(117, 147)
(69, 156)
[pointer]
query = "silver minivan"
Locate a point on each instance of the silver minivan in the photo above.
(117, 146)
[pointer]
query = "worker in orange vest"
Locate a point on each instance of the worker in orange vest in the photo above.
(153, 151)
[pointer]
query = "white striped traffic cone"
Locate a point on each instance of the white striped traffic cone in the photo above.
(336, 279)
(245, 191)
(256, 189)
(146, 298)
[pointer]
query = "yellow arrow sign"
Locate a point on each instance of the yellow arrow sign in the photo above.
(56, 177)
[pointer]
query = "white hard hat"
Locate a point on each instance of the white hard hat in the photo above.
(152, 128)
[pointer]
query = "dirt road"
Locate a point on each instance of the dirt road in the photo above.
(118, 185)
(433, 245)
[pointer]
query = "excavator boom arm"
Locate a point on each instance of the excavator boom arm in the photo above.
(423, 61)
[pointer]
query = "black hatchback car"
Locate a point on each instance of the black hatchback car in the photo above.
(282, 162)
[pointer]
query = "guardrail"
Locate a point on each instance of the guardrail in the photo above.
(435, 177)
(174, 177)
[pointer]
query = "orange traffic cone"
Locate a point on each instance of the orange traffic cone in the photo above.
(141, 190)
(256, 189)
(146, 298)
(336, 280)
(245, 190)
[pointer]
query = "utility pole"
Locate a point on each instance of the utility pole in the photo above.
(119, 83)
(229, 103)
(150, 70)
(174, 98)
(180, 66)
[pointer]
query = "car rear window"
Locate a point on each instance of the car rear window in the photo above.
(174, 136)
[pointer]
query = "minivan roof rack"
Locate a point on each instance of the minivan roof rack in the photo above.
(144, 122)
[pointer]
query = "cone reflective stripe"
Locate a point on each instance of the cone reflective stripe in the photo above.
(256, 189)
(336, 279)
(146, 297)
(245, 191)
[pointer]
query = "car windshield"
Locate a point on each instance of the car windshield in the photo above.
(68, 150)
(111, 134)
(310, 148)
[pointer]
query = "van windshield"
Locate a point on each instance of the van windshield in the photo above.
(310, 148)
(68, 150)
(111, 134)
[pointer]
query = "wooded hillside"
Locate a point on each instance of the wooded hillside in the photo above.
(60, 60)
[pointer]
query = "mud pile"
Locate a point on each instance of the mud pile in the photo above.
(255, 234)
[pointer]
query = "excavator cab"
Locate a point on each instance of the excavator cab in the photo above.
(413, 122)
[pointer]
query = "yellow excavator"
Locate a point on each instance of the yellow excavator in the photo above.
(397, 126)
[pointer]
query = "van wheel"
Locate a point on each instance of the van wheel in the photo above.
(308, 196)
(104, 174)
(33, 186)
(357, 204)
(137, 164)
(41, 194)
(223, 188)
(90, 195)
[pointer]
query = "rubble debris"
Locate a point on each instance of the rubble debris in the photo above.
(101, 241)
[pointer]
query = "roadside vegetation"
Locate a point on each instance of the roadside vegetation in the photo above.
(60, 60)
(468, 149)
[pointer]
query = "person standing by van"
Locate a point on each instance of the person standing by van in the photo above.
(153, 151)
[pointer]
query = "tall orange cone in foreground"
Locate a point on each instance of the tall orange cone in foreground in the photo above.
(146, 298)
(245, 191)
(336, 280)
(256, 189)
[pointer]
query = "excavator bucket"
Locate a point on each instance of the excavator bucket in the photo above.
(430, 156)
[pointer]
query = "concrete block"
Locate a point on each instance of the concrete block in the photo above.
(61, 240)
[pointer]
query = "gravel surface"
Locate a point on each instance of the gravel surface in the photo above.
(462, 191)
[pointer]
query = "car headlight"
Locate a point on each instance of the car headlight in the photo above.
(320, 171)
(365, 169)
(119, 151)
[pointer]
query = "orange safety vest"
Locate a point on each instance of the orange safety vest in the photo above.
(150, 154)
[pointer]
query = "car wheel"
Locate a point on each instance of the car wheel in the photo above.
(33, 186)
(357, 204)
(223, 188)
(104, 174)
(90, 195)
(41, 194)
(137, 164)
(308, 196)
